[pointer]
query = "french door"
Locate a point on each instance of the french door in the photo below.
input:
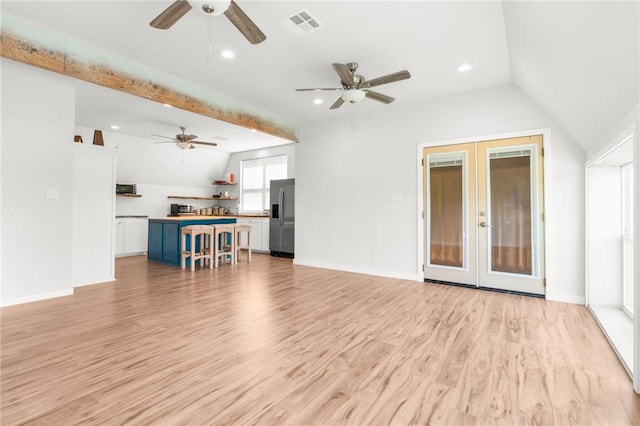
(484, 221)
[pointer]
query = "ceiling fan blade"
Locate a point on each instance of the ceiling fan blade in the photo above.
(389, 78)
(337, 104)
(204, 143)
(345, 75)
(376, 96)
(190, 137)
(333, 89)
(161, 136)
(171, 15)
(244, 24)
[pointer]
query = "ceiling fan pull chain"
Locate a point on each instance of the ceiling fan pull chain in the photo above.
(209, 37)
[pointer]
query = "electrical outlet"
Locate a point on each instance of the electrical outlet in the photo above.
(51, 194)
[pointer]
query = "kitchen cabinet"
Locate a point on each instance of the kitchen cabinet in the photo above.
(130, 236)
(259, 233)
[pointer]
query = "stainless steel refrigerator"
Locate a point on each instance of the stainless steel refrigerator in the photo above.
(282, 221)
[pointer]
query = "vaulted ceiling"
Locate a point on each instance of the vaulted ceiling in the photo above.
(578, 60)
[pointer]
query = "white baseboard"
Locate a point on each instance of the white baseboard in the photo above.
(566, 298)
(359, 270)
(93, 281)
(556, 297)
(36, 297)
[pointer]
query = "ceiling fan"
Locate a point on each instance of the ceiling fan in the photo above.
(355, 88)
(184, 141)
(231, 10)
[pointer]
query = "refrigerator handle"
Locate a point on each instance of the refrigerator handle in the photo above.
(281, 202)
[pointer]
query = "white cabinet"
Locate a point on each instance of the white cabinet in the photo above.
(119, 237)
(265, 234)
(130, 236)
(259, 233)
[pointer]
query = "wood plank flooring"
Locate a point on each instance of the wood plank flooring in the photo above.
(269, 342)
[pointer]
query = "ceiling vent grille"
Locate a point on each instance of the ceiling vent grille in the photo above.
(302, 22)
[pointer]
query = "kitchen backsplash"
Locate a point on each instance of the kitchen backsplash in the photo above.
(154, 202)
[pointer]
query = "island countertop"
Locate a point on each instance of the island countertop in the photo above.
(196, 217)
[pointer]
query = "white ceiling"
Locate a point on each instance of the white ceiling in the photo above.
(579, 61)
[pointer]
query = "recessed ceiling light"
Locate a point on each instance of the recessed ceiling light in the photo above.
(227, 54)
(254, 130)
(167, 106)
(318, 101)
(464, 67)
(115, 126)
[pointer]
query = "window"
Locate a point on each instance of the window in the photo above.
(256, 176)
(627, 238)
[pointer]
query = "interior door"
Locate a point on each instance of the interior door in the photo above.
(483, 210)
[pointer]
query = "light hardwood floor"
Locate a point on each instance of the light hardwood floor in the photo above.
(273, 343)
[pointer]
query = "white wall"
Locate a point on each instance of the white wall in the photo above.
(160, 170)
(141, 160)
(636, 255)
(92, 215)
(233, 166)
(36, 142)
(356, 184)
(154, 202)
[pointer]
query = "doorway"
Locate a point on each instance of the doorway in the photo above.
(484, 214)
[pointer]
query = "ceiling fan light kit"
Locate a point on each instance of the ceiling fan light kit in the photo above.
(353, 95)
(213, 7)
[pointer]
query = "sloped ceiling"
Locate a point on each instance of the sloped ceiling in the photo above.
(577, 60)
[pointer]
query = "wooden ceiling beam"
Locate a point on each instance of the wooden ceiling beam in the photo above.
(36, 47)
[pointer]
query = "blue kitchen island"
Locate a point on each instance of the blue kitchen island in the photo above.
(164, 236)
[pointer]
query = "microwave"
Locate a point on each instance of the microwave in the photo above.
(182, 209)
(125, 188)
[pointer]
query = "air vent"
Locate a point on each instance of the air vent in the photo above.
(302, 22)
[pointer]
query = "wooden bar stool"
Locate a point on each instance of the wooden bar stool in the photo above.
(200, 235)
(240, 244)
(224, 243)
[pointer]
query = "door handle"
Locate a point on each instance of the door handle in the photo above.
(485, 225)
(281, 206)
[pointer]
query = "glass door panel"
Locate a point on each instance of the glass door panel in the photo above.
(449, 209)
(446, 214)
(510, 187)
